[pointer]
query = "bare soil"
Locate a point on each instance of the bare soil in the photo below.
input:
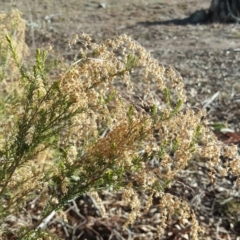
(208, 58)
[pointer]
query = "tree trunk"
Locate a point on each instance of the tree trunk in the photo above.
(225, 11)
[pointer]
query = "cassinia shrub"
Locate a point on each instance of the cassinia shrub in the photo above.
(114, 119)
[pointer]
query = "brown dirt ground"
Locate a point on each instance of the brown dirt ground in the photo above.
(207, 57)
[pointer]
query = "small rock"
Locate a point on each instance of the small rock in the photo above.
(102, 5)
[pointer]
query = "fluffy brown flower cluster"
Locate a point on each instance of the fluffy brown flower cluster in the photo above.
(134, 109)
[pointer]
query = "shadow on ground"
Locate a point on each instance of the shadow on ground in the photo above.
(198, 17)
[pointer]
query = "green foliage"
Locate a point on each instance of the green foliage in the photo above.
(131, 62)
(218, 126)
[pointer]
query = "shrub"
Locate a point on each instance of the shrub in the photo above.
(114, 119)
(11, 24)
